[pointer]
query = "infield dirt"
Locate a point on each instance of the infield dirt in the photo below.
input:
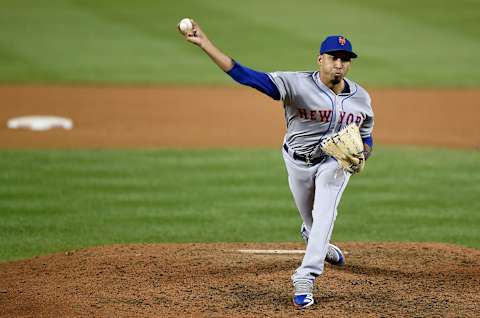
(215, 280)
(221, 117)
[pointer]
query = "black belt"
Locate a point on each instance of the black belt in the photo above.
(306, 158)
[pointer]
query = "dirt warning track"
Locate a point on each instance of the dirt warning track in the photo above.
(165, 117)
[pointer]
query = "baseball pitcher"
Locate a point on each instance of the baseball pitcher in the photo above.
(329, 122)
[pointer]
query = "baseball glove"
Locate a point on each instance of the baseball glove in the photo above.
(347, 147)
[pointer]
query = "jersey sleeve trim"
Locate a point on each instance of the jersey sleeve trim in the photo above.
(258, 80)
(368, 140)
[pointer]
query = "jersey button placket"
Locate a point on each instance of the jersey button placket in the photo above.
(335, 113)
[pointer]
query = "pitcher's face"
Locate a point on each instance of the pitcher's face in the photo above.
(334, 66)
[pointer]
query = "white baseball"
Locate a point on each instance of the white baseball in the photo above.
(185, 25)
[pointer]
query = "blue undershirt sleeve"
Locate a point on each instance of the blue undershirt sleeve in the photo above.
(258, 80)
(368, 140)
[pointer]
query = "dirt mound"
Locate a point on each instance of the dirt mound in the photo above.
(216, 280)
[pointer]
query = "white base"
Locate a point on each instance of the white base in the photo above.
(39, 123)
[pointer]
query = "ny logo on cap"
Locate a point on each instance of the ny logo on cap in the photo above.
(341, 40)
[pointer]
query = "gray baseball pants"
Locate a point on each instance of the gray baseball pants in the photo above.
(317, 191)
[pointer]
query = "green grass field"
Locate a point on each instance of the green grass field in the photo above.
(61, 200)
(428, 43)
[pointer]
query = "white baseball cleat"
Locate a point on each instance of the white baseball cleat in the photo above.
(334, 255)
(302, 301)
(303, 296)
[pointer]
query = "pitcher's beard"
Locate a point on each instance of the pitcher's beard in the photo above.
(336, 80)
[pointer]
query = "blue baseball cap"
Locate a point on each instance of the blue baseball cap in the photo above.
(337, 43)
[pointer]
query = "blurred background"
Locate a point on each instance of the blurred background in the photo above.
(428, 43)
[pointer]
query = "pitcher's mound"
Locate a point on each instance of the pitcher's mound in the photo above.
(216, 280)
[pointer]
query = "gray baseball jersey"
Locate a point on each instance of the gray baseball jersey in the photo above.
(313, 111)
